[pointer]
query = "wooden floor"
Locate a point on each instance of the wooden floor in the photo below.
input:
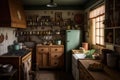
(53, 75)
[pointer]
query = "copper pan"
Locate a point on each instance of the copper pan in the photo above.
(1, 38)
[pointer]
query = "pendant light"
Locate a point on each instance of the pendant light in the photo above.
(51, 4)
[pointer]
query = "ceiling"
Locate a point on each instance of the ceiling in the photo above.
(60, 3)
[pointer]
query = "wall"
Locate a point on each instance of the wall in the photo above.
(9, 32)
(65, 14)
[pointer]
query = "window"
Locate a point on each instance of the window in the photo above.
(96, 17)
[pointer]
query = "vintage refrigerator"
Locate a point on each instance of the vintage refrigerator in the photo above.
(73, 41)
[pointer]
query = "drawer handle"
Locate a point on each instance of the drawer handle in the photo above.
(55, 63)
(55, 55)
(42, 49)
(55, 49)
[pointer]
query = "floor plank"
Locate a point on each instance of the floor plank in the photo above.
(53, 75)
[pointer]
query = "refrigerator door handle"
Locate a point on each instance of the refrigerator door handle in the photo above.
(68, 31)
(68, 41)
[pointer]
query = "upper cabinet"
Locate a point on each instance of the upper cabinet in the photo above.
(112, 13)
(112, 24)
(12, 14)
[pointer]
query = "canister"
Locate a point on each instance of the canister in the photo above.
(111, 60)
(59, 42)
(85, 45)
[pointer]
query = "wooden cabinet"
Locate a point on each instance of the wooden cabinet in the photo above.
(112, 24)
(85, 74)
(42, 56)
(56, 56)
(21, 63)
(26, 66)
(12, 14)
(49, 56)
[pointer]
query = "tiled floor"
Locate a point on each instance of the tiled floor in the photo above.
(53, 75)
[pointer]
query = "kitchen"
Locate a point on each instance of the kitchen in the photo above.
(43, 33)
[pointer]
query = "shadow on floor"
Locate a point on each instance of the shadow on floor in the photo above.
(53, 75)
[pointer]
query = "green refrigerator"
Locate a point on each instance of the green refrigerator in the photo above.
(73, 41)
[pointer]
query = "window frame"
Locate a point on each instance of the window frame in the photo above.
(99, 22)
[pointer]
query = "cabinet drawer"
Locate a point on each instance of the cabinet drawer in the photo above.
(41, 50)
(54, 62)
(56, 55)
(59, 49)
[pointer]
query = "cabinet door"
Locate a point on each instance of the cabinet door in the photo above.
(42, 56)
(39, 59)
(45, 58)
(42, 59)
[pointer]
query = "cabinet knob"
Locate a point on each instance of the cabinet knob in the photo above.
(55, 55)
(42, 49)
(55, 49)
(55, 63)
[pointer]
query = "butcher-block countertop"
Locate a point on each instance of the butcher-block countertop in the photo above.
(106, 74)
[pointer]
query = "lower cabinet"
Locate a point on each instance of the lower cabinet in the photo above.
(50, 56)
(86, 74)
(42, 56)
(21, 63)
(26, 66)
(83, 74)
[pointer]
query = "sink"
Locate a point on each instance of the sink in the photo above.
(80, 56)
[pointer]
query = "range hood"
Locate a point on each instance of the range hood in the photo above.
(12, 14)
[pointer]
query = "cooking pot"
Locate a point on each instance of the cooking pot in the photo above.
(104, 55)
(111, 60)
(16, 47)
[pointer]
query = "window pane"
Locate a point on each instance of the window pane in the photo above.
(97, 32)
(97, 24)
(101, 32)
(98, 11)
(97, 19)
(102, 40)
(97, 40)
(101, 18)
(101, 24)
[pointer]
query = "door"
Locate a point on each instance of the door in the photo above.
(73, 41)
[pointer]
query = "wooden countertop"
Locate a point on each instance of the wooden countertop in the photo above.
(107, 74)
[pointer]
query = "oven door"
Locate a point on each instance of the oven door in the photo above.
(26, 65)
